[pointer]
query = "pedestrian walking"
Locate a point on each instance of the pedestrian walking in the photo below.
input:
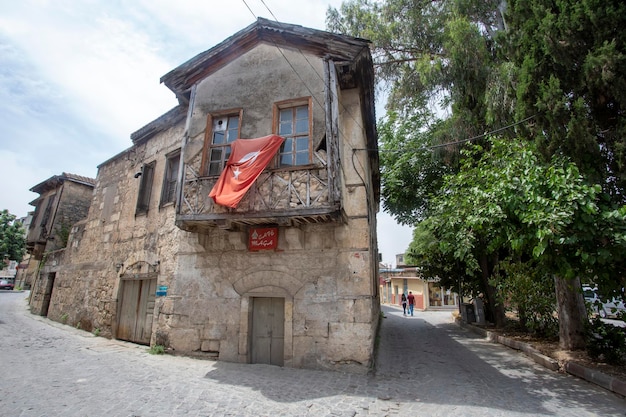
(403, 304)
(411, 299)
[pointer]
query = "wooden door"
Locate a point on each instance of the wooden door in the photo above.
(136, 310)
(268, 330)
(47, 294)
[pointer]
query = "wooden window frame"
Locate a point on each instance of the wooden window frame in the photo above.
(293, 104)
(145, 188)
(170, 178)
(208, 139)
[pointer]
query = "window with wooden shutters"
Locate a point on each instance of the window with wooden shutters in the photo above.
(170, 178)
(145, 188)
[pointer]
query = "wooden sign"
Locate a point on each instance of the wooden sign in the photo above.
(262, 238)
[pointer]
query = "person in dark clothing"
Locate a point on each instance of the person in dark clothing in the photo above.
(404, 304)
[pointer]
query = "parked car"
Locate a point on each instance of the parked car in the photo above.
(6, 284)
(603, 307)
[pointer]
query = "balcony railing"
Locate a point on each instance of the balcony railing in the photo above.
(283, 197)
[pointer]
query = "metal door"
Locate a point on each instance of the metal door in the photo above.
(268, 330)
(136, 310)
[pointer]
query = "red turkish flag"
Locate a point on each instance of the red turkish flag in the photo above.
(248, 158)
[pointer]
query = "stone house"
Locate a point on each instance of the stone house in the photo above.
(289, 276)
(63, 200)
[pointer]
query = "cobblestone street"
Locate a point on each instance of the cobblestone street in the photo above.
(427, 366)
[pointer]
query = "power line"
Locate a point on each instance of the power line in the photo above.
(244, 2)
(443, 145)
(268, 9)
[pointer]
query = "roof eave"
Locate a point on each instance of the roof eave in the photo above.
(338, 47)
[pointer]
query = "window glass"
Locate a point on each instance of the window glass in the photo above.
(302, 113)
(302, 144)
(224, 130)
(218, 138)
(293, 125)
(286, 159)
(302, 158)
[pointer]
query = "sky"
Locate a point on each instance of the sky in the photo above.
(77, 77)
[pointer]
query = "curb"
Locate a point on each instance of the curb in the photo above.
(608, 382)
(603, 380)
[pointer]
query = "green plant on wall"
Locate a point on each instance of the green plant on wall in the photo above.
(156, 350)
(63, 233)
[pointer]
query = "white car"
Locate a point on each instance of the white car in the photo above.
(604, 308)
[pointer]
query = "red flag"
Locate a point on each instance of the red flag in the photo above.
(247, 160)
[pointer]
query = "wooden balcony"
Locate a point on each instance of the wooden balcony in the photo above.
(278, 197)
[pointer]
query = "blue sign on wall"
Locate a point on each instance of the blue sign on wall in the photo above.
(161, 291)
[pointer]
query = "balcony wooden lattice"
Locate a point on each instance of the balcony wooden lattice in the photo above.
(282, 197)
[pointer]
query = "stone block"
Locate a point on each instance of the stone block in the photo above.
(228, 349)
(184, 340)
(210, 346)
(214, 331)
(355, 201)
(315, 328)
(355, 235)
(237, 240)
(294, 238)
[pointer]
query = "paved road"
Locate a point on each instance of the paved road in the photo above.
(427, 367)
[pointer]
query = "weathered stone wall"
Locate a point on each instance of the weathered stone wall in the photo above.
(321, 270)
(113, 237)
(49, 266)
(255, 82)
(73, 205)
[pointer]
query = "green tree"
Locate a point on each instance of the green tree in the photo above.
(436, 60)
(12, 240)
(411, 171)
(570, 58)
(506, 207)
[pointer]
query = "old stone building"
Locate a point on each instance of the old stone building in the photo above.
(289, 275)
(63, 200)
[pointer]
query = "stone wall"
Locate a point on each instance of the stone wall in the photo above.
(113, 237)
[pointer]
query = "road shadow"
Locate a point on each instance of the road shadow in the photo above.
(421, 360)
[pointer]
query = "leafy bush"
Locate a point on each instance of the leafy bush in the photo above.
(606, 342)
(532, 295)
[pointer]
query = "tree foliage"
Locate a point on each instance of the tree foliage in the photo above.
(570, 59)
(12, 240)
(506, 207)
(411, 171)
(436, 59)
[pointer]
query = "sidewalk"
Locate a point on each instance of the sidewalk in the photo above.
(603, 380)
